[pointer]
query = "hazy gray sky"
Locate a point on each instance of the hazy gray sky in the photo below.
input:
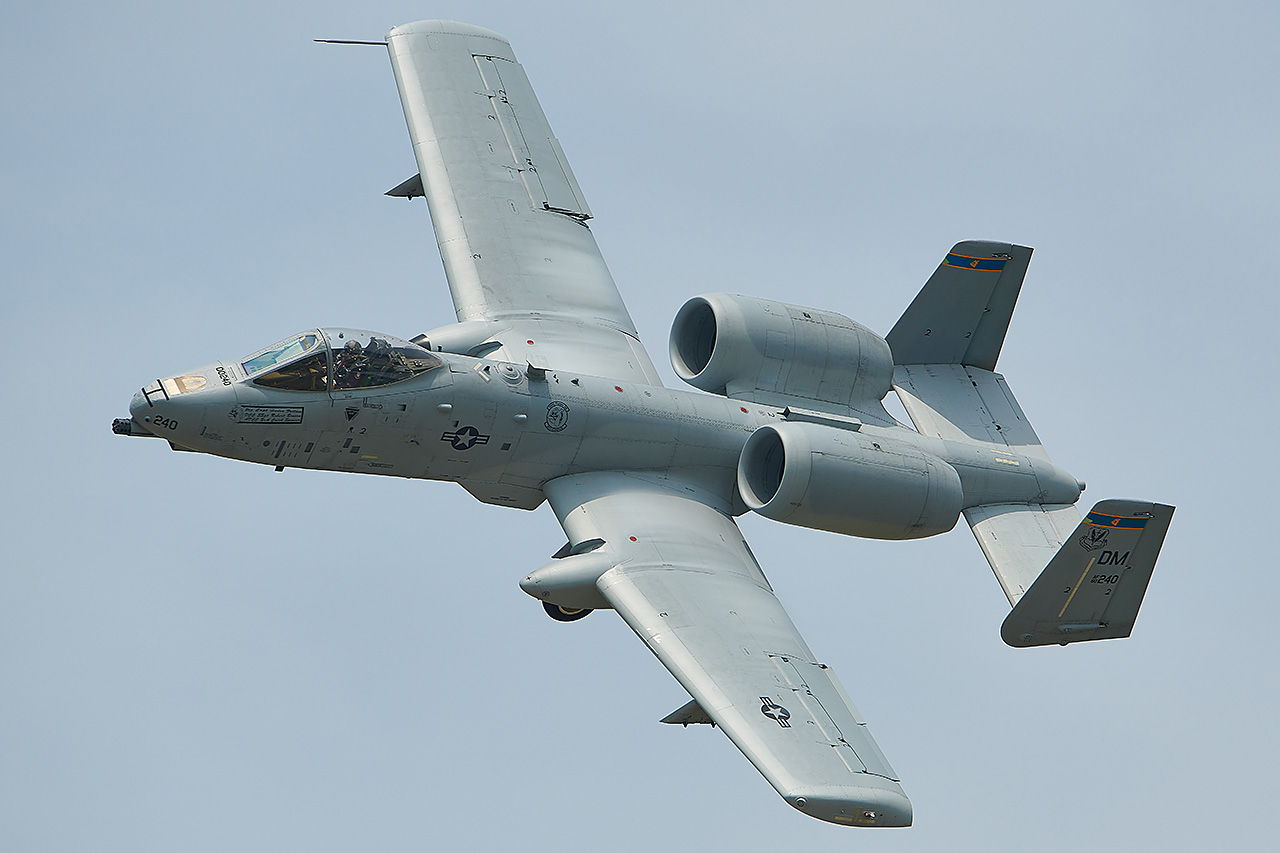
(203, 655)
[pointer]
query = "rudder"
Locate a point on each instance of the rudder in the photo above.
(1094, 585)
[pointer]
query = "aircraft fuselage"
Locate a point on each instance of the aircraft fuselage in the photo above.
(502, 430)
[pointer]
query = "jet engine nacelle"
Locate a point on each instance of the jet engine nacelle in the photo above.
(843, 482)
(772, 352)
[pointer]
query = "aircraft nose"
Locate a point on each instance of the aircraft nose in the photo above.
(174, 407)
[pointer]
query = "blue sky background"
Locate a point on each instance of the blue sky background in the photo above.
(197, 654)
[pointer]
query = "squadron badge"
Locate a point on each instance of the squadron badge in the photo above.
(557, 416)
(1093, 539)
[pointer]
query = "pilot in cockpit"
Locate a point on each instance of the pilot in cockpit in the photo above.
(349, 365)
(382, 361)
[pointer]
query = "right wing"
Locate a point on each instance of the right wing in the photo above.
(685, 581)
(509, 217)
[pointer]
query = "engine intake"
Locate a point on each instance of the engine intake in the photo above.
(843, 482)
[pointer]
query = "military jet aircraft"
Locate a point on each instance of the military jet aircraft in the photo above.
(542, 391)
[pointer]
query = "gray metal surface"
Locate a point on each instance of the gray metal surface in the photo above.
(962, 313)
(965, 404)
(1019, 540)
(686, 583)
(1093, 587)
(508, 213)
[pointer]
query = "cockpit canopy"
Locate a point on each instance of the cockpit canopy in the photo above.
(338, 360)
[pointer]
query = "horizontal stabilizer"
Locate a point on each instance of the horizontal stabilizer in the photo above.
(965, 404)
(1019, 540)
(1094, 585)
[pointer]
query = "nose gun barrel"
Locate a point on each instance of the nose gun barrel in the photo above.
(128, 426)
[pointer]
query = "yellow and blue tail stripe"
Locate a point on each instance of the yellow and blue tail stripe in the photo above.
(968, 262)
(1116, 522)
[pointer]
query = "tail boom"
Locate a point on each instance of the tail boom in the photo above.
(1068, 579)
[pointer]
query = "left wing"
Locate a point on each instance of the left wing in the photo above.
(685, 581)
(523, 267)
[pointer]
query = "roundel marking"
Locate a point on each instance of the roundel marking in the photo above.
(775, 712)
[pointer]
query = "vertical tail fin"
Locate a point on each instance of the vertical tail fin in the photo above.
(962, 313)
(946, 344)
(1093, 587)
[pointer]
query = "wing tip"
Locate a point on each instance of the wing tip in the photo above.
(444, 27)
(874, 805)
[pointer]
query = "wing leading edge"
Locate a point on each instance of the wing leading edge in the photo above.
(685, 581)
(523, 267)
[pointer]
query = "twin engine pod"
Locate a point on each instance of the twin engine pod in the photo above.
(779, 354)
(803, 473)
(844, 482)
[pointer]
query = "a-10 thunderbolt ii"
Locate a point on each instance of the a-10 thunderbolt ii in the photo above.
(542, 391)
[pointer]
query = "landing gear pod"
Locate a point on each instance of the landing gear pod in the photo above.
(567, 587)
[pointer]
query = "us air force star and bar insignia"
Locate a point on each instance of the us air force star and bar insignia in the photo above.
(465, 438)
(775, 712)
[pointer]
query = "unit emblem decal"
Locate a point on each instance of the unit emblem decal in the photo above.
(1093, 538)
(557, 416)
